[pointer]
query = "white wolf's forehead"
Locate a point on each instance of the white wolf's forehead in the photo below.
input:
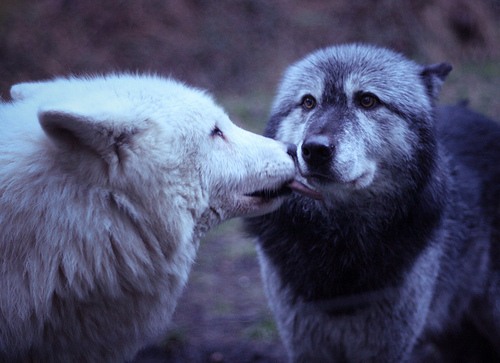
(127, 95)
(111, 85)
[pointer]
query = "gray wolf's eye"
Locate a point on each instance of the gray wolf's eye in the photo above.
(368, 100)
(308, 102)
(217, 132)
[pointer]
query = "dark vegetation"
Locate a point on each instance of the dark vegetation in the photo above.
(238, 49)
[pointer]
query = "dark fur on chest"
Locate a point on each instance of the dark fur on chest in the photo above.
(324, 253)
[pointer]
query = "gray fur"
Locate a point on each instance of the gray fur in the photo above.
(400, 261)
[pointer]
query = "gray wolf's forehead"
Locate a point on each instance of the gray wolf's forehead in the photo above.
(333, 71)
(338, 62)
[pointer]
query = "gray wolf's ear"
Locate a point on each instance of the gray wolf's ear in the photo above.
(433, 77)
(74, 132)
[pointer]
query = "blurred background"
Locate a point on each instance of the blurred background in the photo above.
(238, 49)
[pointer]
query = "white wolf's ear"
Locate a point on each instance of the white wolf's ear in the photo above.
(434, 76)
(21, 91)
(77, 132)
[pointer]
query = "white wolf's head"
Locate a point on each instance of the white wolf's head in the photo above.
(161, 144)
(359, 116)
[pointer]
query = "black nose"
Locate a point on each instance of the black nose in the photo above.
(316, 150)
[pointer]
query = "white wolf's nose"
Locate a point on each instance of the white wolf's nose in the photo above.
(316, 150)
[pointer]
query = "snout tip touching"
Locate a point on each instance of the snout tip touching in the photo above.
(296, 185)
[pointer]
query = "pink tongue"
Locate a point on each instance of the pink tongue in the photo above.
(305, 190)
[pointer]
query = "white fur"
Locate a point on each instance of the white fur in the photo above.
(106, 185)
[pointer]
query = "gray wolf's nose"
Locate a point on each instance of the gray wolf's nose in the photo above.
(316, 150)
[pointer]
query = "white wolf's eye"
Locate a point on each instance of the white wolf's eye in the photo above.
(217, 132)
(368, 100)
(308, 102)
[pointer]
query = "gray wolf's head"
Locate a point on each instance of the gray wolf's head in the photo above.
(361, 118)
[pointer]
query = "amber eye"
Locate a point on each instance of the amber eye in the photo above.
(368, 101)
(308, 102)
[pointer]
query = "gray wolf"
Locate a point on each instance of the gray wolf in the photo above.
(107, 184)
(400, 261)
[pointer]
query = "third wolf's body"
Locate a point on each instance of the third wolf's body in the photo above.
(403, 251)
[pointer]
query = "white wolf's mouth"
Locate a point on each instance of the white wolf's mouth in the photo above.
(271, 193)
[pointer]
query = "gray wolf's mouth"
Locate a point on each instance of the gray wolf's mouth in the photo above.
(303, 189)
(287, 189)
(320, 178)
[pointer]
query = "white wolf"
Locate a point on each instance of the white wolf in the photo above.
(106, 185)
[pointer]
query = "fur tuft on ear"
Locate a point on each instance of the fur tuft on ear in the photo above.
(433, 77)
(73, 132)
(22, 91)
